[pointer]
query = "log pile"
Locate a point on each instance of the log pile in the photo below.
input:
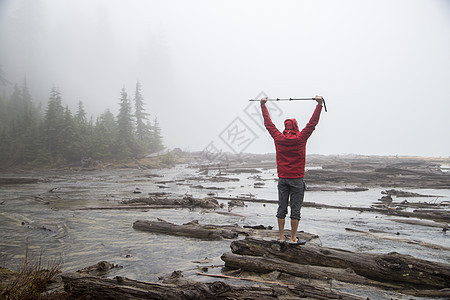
(404, 273)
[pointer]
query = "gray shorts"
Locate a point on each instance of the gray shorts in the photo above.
(290, 190)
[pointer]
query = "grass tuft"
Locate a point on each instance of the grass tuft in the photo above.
(31, 280)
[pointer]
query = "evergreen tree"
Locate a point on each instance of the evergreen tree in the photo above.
(80, 117)
(156, 141)
(31, 135)
(126, 146)
(15, 105)
(105, 133)
(42, 155)
(20, 102)
(83, 132)
(26, 97)
(70, 138)
(54, 119)
(142, 129)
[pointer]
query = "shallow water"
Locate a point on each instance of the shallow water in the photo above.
(59, 229)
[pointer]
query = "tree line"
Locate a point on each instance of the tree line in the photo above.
(30, 136)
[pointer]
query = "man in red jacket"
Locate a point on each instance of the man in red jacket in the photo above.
(290, 148)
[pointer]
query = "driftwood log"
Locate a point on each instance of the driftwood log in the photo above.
(210, 232)
(186, 201)
(263, 265)
(175, 287)
(393, 267)
(192, 229)
(161, 201)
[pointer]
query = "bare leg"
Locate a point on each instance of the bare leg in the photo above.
(294, 227)
(281, 228)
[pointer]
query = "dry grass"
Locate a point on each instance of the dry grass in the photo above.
(31, 280)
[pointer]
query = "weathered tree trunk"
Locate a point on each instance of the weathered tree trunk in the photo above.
(210, 232)
(391, 267)
(192, 229)
(123, 288)
(175, 287)
(90, 287)
(269, 264)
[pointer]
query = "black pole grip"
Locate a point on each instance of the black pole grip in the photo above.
(324, 105)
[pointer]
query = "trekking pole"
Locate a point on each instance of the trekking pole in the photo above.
(293, 99)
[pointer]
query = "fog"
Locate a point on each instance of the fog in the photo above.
(383, 67)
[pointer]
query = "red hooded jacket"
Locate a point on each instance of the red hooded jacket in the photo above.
(291, 144)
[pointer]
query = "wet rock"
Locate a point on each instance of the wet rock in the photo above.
(387, 198)
(198, 186)
(236, 203)
(258, 184)
(99, 269)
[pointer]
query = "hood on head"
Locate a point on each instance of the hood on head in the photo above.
(291, 126)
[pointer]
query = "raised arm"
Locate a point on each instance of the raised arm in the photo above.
(271, 128)
(309, 128)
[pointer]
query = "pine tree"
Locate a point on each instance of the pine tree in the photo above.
(26, 96)
(20, 102)
(156, 141)
(83, 132)
(54, 119)
(15, 105)
(142, 130)
(31, 135)
(71, 146)
(80, 117)
(104, 136)
(126, 146)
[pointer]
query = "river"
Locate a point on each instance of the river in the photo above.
(49, 218)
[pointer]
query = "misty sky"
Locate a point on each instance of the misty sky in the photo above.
(383, 67)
